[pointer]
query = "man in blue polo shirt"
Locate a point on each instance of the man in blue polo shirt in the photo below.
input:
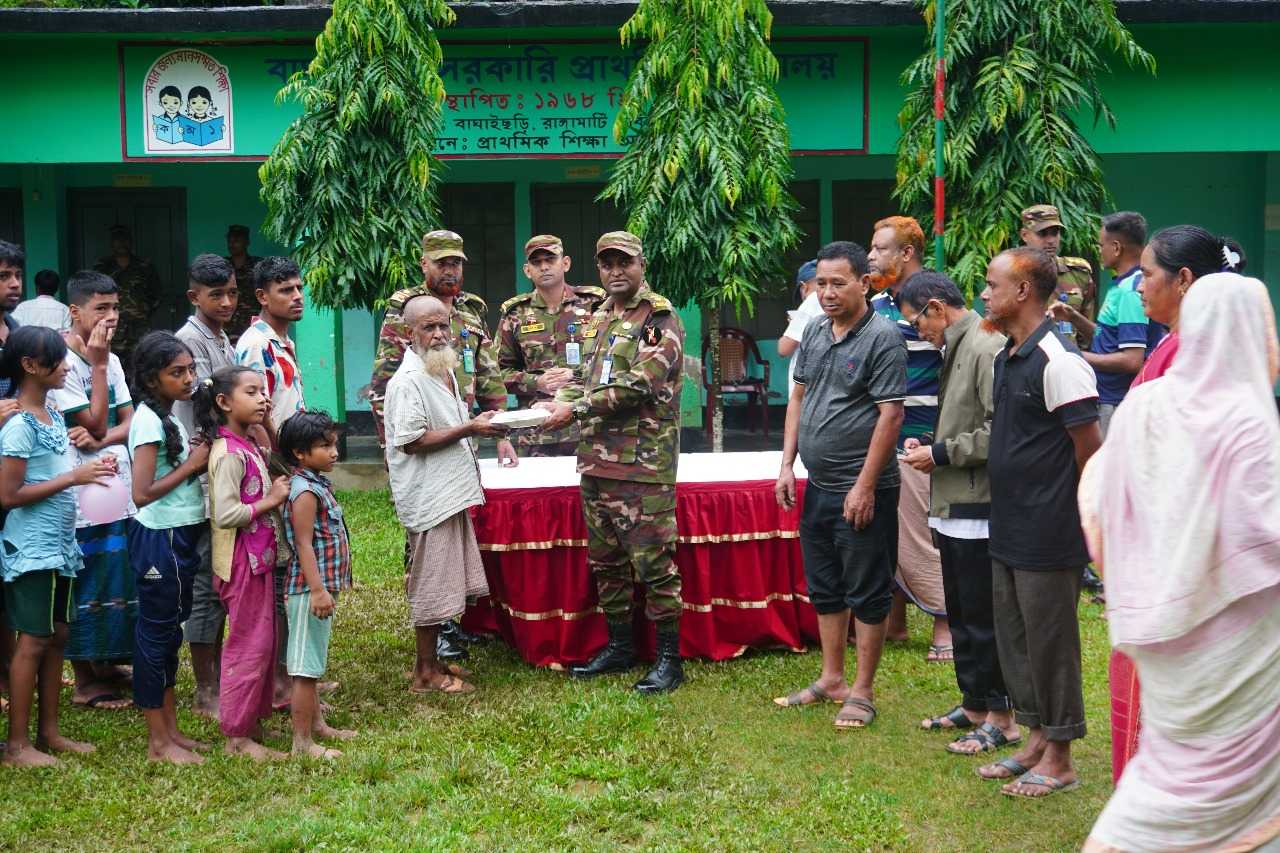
(1123, 335)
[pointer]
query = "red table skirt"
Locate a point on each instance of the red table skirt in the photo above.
(740, 566)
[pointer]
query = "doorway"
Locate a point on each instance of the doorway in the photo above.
(11, 216)
(571, 212)
(157, 219)
(484, 214)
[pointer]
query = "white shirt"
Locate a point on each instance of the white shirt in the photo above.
(428, 488)
(810, 309)
(43, 311)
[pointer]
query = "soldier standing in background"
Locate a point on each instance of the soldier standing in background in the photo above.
(1042, 229)
(540, 339)
(627, 403)
(243, 263)
(477, 374)
(139, 286)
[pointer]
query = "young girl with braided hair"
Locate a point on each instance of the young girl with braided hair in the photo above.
(163, 536)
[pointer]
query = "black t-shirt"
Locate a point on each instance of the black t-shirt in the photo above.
(1041, 389)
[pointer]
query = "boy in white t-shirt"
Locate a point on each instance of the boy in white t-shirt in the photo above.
(810, 309)
(96, 404)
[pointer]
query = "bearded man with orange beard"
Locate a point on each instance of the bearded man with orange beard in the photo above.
(897, 247)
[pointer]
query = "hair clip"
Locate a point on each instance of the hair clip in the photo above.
(208, 382)
(1230, 259)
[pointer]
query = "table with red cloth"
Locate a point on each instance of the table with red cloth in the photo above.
(738, 553)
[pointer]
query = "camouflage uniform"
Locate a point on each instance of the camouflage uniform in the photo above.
(532, 339)
(1075, 275)
(627, 403)
(247, 308)
(140, 291)
(479, 379)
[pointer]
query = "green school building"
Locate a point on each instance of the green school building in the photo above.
(158, 119)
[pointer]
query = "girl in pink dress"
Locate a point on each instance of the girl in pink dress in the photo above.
(246, 547)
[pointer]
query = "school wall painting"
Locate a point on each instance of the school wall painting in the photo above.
(186, 105)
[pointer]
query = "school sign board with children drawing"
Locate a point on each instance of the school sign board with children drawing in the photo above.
(186, 97)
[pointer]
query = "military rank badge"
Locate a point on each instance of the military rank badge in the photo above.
(652, 335)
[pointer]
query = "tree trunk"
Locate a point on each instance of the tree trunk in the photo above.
(715, 403)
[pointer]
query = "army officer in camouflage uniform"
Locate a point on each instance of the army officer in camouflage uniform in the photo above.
(540, 339)
(627, 403)
(1042, 229)
(479, 379)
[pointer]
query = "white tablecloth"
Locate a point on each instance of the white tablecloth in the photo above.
(544, 473)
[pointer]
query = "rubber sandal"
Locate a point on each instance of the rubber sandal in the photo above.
(797, 699)
(450, 686)
(1016, 770)
(1054, 784)
(937, 652)
(988, 738)
(94, 702)
(852, 720)
(956, 716)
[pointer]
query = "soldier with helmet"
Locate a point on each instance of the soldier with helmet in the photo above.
(1042, 229)
(626, 401)
(540, 341)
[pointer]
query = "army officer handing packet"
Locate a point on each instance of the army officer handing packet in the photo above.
(626, 401)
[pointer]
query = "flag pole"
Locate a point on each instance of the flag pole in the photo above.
(939, 113)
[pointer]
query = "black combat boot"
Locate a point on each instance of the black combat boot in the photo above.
(618, 656)
(457, 636)
(668, 672)
(447, 648)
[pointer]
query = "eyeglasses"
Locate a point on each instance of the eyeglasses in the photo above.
(915, 322)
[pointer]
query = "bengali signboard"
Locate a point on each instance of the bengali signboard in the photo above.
(529, 99)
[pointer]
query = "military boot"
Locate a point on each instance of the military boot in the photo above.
(668, 672)
(619, 655)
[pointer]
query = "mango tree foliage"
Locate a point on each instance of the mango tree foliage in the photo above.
(1019, 74)
(705, 175)
(351, 184)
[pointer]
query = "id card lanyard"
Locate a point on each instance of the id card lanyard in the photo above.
(572, 349)
(606, 364)
(468, 354)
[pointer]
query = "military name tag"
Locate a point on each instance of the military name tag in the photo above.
(573, 353)
(606, 370)
(532, 327)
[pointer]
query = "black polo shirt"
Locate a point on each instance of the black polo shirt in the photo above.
(1041, 389)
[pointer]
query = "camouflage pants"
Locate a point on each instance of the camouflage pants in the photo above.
(631, 536)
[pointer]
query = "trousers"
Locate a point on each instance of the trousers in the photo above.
(631, 536)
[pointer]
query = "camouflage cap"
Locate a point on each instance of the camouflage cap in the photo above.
(1038, 217)
(442, 244)
(623, 241)
(543, 243)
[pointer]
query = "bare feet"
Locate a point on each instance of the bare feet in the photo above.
(173, 753)
(312, 749)
(26, 755)
(187, 743)
(441, 682)
(61, 743)
(325, 730)
(326, 687)
(251, 748)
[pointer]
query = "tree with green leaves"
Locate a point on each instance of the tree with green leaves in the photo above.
(351, 184)
(1018, 75)
(705, 177)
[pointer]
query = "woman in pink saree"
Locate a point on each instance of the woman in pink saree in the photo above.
(1181, 508)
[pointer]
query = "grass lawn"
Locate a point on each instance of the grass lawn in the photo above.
(533, 760)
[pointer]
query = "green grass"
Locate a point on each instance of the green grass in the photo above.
(534, 761)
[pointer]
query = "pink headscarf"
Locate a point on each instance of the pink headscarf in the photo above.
(1182, 503)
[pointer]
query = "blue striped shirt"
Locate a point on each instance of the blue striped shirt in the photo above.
(924, 372)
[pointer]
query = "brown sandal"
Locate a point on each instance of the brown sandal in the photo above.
(451, 685)
(855, 713)
(798, 699)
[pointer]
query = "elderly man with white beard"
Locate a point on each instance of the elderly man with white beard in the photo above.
(434, 480)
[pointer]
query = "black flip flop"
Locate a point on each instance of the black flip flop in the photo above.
(988, 738)
(956, 716)
(102, 698)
